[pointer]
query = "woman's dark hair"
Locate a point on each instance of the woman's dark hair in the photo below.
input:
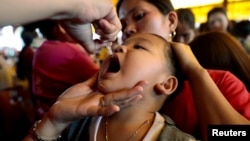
(164, 6)
(217, 10)
(185, 15)
(221, 50)
(223, 11)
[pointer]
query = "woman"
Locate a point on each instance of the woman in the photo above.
(217, 20)
(185, 31)
(220, 50)
(144, 16)
(200, 110)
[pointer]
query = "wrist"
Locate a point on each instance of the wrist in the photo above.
(66, 9)
(192, 70)
(48, 129)
(196, 74)
(37, 137)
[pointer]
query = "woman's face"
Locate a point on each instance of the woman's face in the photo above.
(139, 16)
(218, 22)
(184, 33)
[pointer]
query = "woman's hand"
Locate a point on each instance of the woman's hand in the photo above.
(99, 13)
(188, 62)
(78, 16)
(82, 100)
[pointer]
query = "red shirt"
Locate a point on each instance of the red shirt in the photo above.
(56, 67)
(182, 109)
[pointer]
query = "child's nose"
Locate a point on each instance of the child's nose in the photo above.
(120, 49)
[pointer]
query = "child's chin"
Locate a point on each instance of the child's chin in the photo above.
(105, 92)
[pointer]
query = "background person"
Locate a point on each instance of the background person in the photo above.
(217, 20)
(185, 31)
(241, 31)
(58, 64)
(222, 51)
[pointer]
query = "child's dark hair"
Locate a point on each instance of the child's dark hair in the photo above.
(176, 70)
(174, 66)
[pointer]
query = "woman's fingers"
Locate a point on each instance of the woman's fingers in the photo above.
(82, 101)
(113, 102)
(128, 102)
(186, 58)
(125, 98)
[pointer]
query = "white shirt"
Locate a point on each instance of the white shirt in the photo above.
(152, 134)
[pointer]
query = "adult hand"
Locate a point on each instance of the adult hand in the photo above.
(188, 62)
(79, 14)
(82, 100)
(99, 13)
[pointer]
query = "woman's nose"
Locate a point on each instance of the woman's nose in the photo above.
(129, 30)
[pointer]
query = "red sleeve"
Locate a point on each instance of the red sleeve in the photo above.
(182, 109)
(233, 90)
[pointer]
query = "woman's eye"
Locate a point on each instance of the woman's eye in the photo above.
(139, 16)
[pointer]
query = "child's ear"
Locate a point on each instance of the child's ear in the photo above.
(167, 87)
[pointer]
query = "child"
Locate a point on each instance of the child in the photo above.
(142, 57)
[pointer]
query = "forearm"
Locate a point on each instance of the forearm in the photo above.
(23, 11)
(212, 107)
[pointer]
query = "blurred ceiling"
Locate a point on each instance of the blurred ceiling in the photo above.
(193, 3)
(236, 9)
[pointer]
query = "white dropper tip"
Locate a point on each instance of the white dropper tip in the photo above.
(110, 52)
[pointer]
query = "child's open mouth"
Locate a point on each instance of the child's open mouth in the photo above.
(114, 64)
(111, 65)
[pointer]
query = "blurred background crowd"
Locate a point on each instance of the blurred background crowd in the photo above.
(19, 45)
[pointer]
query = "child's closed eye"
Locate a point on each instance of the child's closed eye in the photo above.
(139, 47)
